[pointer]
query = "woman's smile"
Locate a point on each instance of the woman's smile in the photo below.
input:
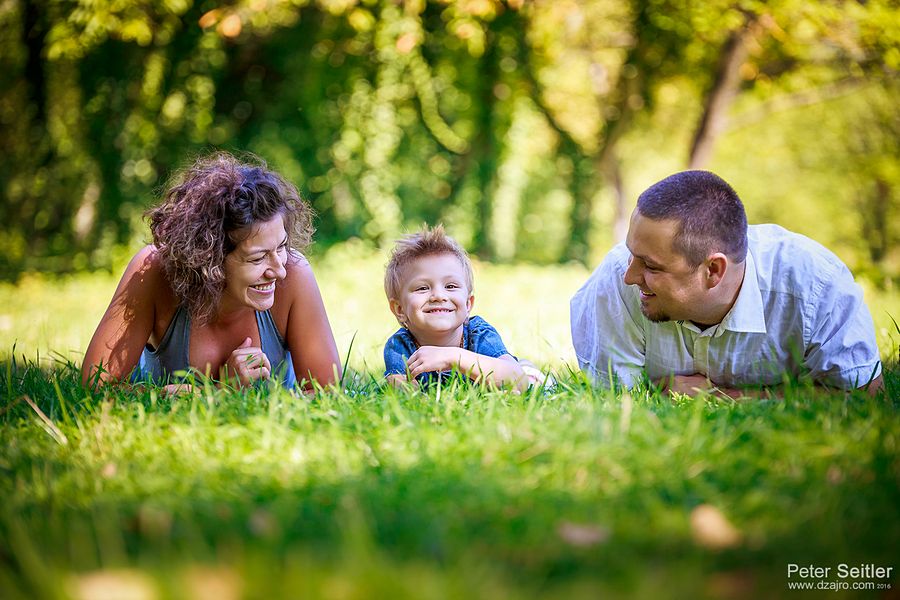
(264, 288)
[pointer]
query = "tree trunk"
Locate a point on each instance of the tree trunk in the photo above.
(485, 150)
(612, 173)
(720, 96)
(33, 34)
(875, 220)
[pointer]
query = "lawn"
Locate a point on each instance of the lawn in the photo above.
(456, 493)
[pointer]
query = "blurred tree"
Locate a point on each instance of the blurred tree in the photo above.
(517, 122)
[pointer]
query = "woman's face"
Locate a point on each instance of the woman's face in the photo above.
(255, 267)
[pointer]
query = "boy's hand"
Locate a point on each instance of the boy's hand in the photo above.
(433, 358)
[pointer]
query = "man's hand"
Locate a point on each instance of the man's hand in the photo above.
(690, 385)
(433, 358)
(247, 363)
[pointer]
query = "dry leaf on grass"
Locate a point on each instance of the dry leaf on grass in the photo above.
(711, 529)
(121, 584)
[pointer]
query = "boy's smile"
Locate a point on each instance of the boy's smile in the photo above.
(434, 300)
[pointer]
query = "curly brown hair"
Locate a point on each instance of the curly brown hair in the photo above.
(207, 210)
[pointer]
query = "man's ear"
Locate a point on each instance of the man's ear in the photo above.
(716, 266)
(397, 309)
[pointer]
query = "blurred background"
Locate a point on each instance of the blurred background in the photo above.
(528, 127)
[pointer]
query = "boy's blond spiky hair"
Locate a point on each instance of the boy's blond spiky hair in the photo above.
(427, 242)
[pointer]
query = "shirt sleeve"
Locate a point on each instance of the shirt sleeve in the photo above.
(485, 340)
(607, 327)
(396, 353)
(840, 350)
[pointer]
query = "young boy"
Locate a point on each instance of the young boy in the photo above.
(428, 282)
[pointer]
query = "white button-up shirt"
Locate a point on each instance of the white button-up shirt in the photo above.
(798, 311)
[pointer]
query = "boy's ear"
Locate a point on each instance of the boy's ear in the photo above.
(470, 302)
(397, 309)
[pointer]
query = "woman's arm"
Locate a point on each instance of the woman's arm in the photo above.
(127, 323)
(504, 370)
(308, 332)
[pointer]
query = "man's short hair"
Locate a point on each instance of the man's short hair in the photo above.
(709, 211)
(427, 242)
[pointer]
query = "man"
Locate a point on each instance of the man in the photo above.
(696, 299)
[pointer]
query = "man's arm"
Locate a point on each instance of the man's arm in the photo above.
(876, 386)
(840, 336)
(692, 385)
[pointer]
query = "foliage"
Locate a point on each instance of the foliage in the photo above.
(527, 126)
(461, 491)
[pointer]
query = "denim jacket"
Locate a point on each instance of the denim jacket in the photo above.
(478, 336)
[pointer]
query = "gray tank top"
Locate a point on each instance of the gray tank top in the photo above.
(160, 365)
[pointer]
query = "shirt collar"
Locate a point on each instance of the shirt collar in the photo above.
(747, 314)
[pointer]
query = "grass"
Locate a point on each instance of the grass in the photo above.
(459, 492)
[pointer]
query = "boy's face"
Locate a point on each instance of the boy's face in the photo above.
(435, 299)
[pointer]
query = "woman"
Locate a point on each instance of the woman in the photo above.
(221, 289)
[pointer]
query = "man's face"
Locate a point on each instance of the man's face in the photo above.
(670, 287)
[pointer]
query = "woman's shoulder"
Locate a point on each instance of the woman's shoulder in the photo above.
(146, 274)
(297, 270)
(298, 289)
(297, 280)
(146, 267)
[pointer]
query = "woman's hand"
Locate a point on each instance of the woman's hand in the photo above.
(178, 389)
(247, 363)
